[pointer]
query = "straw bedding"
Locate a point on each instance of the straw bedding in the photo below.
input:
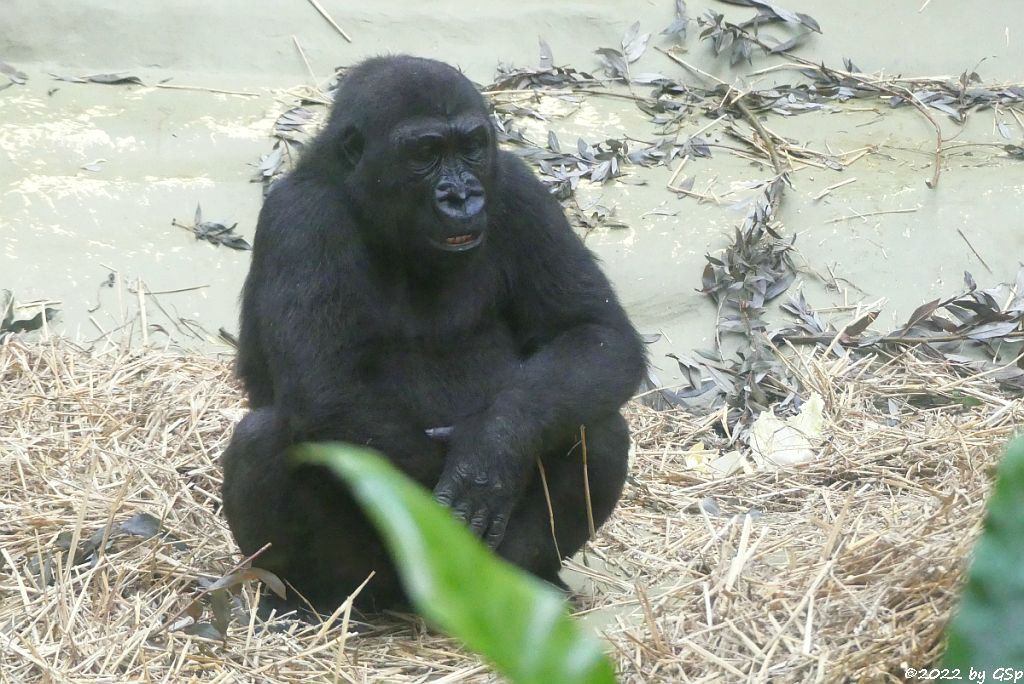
(844, 568)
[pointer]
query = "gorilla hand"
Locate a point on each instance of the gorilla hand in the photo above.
(483, 479)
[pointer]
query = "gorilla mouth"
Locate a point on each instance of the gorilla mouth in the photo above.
(460, 239)
(461, 242)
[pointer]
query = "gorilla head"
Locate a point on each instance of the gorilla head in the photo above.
(417, 133)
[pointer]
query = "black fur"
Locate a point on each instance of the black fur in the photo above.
(360, 323)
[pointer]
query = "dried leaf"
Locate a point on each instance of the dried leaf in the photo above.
(272, 581)
(710, 506)
(809, 21)
(614, 63)
(553, 143)
(9, 324)
(988, 331)
(215, 232)
(920, 313)
(796, 41)
(93, 165)
(140, 525)
(106, 79)
(678, 27)
(220, 606)
(861, 324)
(547, 60)
(239, 577)
(16, 75)
(650, 78)
(204, 630)
(634, 43)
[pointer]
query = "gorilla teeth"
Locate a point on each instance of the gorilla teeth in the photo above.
(459, 239)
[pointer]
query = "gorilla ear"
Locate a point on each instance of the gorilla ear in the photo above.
(350, 145)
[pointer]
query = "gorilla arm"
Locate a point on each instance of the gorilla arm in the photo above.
(584, 359)
(309, 300)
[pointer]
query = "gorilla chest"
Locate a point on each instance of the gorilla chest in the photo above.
(441, 380)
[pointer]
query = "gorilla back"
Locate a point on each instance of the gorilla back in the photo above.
(415, 290)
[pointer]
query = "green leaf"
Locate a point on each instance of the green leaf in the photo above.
(988, 631)
(514, 621)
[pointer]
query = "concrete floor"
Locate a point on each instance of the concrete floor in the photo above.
(63, 229)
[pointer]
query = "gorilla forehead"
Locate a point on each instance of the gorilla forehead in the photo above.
(380, 92)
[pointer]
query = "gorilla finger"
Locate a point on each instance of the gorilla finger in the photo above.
(478, 523)
(446, 492)
(463, 511)
(440, 434)
(496, 532)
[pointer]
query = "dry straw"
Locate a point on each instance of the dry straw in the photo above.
(846, 568)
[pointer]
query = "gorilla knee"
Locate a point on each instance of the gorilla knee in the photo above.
(256, 424)
(259, 429)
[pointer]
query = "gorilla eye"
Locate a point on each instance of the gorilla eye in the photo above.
(425, 149)
(475, 143)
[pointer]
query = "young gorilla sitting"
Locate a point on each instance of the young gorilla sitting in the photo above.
(415, 290)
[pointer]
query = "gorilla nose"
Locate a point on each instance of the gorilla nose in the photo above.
(459, 201)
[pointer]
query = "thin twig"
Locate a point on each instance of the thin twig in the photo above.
(766, 137)
(178, 290)
(586, 483)
(872, 213)
(896, 339)
(302, 54)
(834, 186)
(219, 91)
(687, 65)
(142, 313)
(325, 15)
(974, 250)
(679, 169)
(547, 499)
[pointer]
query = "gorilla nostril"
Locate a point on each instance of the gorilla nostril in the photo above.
(450, 188)
(474, 204)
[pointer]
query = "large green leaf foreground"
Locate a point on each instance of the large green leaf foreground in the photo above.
(988, 631)
(519, 624)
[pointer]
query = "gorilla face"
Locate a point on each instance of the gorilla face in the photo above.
(449, 163)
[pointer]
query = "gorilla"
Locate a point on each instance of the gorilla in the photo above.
(415, 290)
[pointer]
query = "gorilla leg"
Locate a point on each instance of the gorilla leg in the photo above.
(323, 544)
(320, 540)
(528, 541)
(254, 473)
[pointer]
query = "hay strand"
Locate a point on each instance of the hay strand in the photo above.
(846, 567)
